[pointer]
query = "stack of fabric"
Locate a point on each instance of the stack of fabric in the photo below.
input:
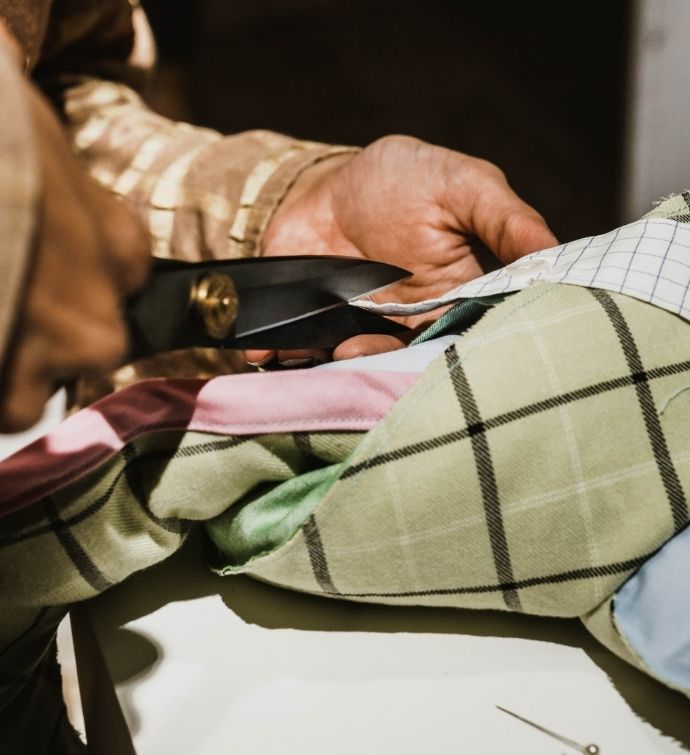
(529, 452)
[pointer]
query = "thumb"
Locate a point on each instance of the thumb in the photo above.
(509, 227)
(521, 231)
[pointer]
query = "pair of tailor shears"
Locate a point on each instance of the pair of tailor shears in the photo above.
(257, 303)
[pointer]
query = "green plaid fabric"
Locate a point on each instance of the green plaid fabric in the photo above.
(674, 207)
(533, 467)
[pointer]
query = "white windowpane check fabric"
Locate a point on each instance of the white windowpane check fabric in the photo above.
(648, 259)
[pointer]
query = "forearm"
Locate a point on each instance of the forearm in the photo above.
(200, 194)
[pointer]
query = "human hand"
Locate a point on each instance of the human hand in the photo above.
(445, 216)
(89, 251)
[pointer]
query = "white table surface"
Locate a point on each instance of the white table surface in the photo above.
(215, 665)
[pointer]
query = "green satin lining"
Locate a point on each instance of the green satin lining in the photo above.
(269, 518)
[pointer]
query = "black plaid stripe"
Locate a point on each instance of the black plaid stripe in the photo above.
(198, 449)
(655, 433)
(486, 475)
(79, 557)
(45, 529)
(317, 556)
(572, 575)
(303, 443)
(93, 508)
(133, 475)
(682, 216)
(523, 412)
(84, 469)
(310, 459)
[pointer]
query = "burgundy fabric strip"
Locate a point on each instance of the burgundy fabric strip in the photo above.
(302, 400)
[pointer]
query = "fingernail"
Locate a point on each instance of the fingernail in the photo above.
(261, 362)
(296, 362)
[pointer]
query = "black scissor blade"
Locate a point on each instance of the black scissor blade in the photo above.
(273, 292)
(271, 306)
(322, 331)
(260, 272)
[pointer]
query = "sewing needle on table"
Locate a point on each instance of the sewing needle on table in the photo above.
(585, 749)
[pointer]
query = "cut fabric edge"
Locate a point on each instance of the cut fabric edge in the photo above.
(235, 536)
(235, 547)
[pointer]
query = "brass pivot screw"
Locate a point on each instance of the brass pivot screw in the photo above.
(214, 298)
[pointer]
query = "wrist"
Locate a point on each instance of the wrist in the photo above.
(311, 180)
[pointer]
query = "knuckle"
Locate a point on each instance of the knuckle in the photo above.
(522, 229)
(396, 142)
(488, 170)
(128, 247)
(133, 238)
(512, 226)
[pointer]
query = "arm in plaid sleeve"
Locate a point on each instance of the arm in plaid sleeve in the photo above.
(200, 194)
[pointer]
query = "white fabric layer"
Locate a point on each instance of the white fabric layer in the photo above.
(648, 259)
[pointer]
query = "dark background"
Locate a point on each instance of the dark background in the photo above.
(536, 87)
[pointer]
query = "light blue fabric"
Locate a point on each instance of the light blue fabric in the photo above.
(652, 611)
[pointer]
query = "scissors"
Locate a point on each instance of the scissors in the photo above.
(257, 303)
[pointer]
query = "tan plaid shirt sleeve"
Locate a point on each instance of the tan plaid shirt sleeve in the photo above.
(201, 194)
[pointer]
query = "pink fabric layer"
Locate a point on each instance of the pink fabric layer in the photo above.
(230, 405)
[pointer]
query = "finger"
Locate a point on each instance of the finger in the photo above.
(287, 357)
(363, 346)
(22, 408)
(26, 387)
(101, 346)
(127, 245)
(300, 357)
(520, 231)
(506, 224)
(258, 357)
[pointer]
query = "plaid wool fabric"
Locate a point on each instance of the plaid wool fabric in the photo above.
(533, 467)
